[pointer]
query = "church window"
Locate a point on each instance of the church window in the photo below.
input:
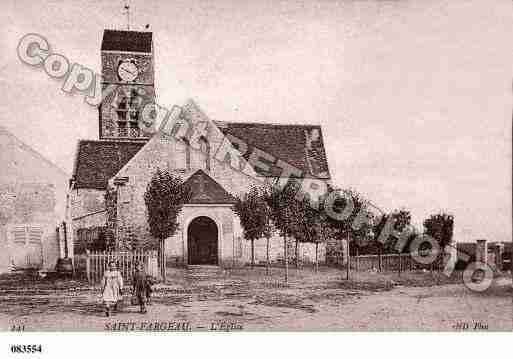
(187, 154)
(122, 129)
(205, 153)
(179, 155)
(134, 129)
(128, 114)
(122, 109)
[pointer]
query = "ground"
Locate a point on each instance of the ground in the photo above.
(248, 299)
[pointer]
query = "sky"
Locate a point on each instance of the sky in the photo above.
(414, 97)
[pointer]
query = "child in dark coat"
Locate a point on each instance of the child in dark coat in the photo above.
(149, 282)
(141, 285)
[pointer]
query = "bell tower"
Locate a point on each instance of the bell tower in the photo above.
(127, 83)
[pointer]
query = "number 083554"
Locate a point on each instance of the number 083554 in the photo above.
(26, 349)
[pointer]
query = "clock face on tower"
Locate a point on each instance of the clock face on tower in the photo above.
(127, 83)
(127, 70)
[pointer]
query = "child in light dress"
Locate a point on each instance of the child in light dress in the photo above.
(112, 285)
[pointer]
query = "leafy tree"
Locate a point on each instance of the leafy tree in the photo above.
(255, 218)
(283, 207)
(315, 228)
(164, 198)
(303, 219)
(402, 221)
(394, 243)
(440, 227)
(111, 206)
(355, 226)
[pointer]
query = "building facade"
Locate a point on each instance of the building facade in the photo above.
(32, 207)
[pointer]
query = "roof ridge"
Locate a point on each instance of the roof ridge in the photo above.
(123, 30)
(116, 30)
(141, 141)
(32, 150)
(267, 124)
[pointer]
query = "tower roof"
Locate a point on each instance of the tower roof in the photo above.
(120, 40)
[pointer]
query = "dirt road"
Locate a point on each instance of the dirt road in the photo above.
(249, 300)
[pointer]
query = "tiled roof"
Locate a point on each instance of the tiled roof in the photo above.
(298, 145)
(98, 161)
(205, 190)
(301, 146)
(117, 40)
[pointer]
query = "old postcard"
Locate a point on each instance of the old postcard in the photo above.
(234, 166)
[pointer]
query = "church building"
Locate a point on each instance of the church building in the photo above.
(219, 161)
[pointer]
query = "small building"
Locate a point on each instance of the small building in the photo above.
(32, 207)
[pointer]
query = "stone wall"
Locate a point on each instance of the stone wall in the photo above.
(336, 252)
(86, 209)
(84, 201)
(28, 205)
(276, 251)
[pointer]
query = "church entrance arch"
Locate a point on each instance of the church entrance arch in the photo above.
(202, 241)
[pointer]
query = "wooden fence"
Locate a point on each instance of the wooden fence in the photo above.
(391, 262)
(94, 263)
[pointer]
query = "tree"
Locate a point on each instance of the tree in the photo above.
(378, 227)
(302, 220)
(255, 218)
(357, 224)
(440, 227)
(283, 207)
(315, 228)
(401, 222)
(164, 198)
(111, 214)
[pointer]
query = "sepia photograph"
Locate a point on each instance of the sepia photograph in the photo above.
(255, 166)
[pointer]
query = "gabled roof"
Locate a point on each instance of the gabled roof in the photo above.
(301, 146)
(98, 161)
(206, 190)
(118, 40)
(9, 136)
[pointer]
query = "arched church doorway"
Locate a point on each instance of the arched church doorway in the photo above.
(202, 236)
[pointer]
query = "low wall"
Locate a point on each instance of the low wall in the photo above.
(390, 262)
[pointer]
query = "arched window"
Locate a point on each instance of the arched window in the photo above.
(205, 153)
(187, 153)
(181, 157)
(128, 114)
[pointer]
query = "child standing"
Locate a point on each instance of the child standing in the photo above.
(149, 289)
(112, 285)
(140, 283)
